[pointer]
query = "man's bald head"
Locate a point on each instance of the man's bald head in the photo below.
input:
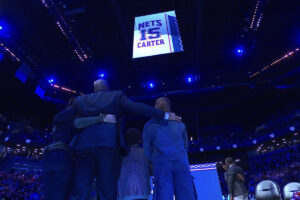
(101, 85)
(163, 103)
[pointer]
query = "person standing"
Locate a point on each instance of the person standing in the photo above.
(96, 147)
(166, 145)
(58, 161)
(134, 181)
(235, 181)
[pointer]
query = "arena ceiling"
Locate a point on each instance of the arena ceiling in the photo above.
(211, 30)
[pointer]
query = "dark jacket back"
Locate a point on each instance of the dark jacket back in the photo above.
(112, 102)
(236, 187)
(105, 102)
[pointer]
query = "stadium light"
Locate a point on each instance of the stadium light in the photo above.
(239, 51)
(292, 128)
(151, 85)
(101, 75)
(51, 80)
(189, 79)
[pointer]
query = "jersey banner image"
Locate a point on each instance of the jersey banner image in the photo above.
(156, 34)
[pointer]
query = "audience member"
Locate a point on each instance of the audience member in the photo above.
(134, 181)
(20, 186)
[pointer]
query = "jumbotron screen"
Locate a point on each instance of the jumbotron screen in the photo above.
(156, 34)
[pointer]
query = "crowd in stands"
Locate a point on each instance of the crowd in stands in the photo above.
(281, 166)
(280, 125)
(18, 137)
(16, 185)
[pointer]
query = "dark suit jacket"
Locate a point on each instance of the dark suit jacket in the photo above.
(106, 102)
(236, 187)
(113, 102)
(64, 128)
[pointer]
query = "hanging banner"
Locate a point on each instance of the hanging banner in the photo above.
(156, 34)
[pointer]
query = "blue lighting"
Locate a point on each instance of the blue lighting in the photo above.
(102, 75)
(189, 79)
(151, 85)
(51, 80)
(240, 51)
(1, 57)
(292, 128)
(4, 29)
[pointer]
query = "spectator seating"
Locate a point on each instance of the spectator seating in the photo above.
(290, 189)
(267, 190)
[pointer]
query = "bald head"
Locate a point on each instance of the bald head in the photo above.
(101, 85)
(163, 103)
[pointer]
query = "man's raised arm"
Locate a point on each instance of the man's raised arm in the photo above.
(84, 122)
(142, 109)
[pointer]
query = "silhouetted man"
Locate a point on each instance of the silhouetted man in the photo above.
(58, 161)
(166, 145)
(96, 147)
(235, 181)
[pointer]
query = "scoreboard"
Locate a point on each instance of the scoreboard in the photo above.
(156, 34)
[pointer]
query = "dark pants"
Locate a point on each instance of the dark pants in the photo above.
(58, 167)
(102, 163)
(173, 177)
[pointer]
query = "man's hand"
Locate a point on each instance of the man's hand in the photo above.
(110, 118)
(174, 117)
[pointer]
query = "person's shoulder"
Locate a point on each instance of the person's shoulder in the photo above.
(149, 123)
(82, 97)
(64, 114)
(100, 93)
(238, 167)
(180, 125)
(231, 168)
(116, 92)
(235, 168)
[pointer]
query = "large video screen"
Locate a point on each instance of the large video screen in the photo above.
(156, 34)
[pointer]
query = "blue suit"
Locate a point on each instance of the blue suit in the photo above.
(97, 146)
(166, 145)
